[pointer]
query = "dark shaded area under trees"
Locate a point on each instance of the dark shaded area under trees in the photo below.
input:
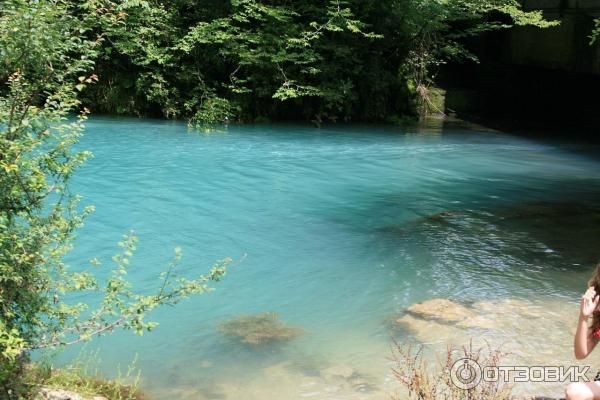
(533, 80)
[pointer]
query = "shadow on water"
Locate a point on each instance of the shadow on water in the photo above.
(555, 234)
(525, 249)
(577, 141)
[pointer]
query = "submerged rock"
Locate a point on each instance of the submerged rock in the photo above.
(285, 380)
(338, 371)
(438, 319)
(361, 384)
(478, 322)
(259, 329)
(507, 306)
(348, 378)
(396, 229)
(410, 226)
(60, 394)
(441, 309)
(428, 330)
(438, 217)
(484, 314)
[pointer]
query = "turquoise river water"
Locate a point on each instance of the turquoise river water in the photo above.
(339, 230)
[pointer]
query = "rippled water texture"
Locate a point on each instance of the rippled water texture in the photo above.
(339, 230)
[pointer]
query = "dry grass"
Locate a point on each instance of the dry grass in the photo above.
(80, 378)
(425, 380)
(259, 329)
(430, 100)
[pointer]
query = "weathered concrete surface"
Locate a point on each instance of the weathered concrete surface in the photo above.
(565, 47)
(590, 7)
(531, 78)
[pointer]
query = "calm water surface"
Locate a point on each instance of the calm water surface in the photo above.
(338, 230)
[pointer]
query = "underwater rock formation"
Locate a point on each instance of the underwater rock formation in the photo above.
(441, 309)
(259, 329)
(438, 217)
(338, 371)
(407, 227)
(485, 314)
(428, 330)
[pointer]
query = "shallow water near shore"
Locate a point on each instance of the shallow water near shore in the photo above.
(339, 230)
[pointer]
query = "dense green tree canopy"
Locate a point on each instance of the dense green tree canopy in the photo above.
(332, 60)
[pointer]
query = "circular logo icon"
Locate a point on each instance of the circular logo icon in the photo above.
(465, 373)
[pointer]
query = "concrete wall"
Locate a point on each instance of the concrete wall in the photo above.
(529, 76)
(565, 47)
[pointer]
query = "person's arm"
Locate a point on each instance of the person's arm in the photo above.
(584, 343)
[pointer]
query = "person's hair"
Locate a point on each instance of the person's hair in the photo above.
(595, 283)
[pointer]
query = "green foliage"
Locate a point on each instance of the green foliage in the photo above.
(437, 30)
(213, 66)
(46, 60)
(211, 111)
(83, 377)
(212, 61)
(595, 32)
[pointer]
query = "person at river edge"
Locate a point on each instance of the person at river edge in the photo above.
(586, 338)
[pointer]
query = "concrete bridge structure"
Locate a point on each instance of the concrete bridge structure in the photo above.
(565, 47)
(528, 75)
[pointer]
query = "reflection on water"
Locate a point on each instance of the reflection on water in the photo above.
(344, 229)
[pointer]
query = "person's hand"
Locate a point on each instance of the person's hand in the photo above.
(589, 302)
